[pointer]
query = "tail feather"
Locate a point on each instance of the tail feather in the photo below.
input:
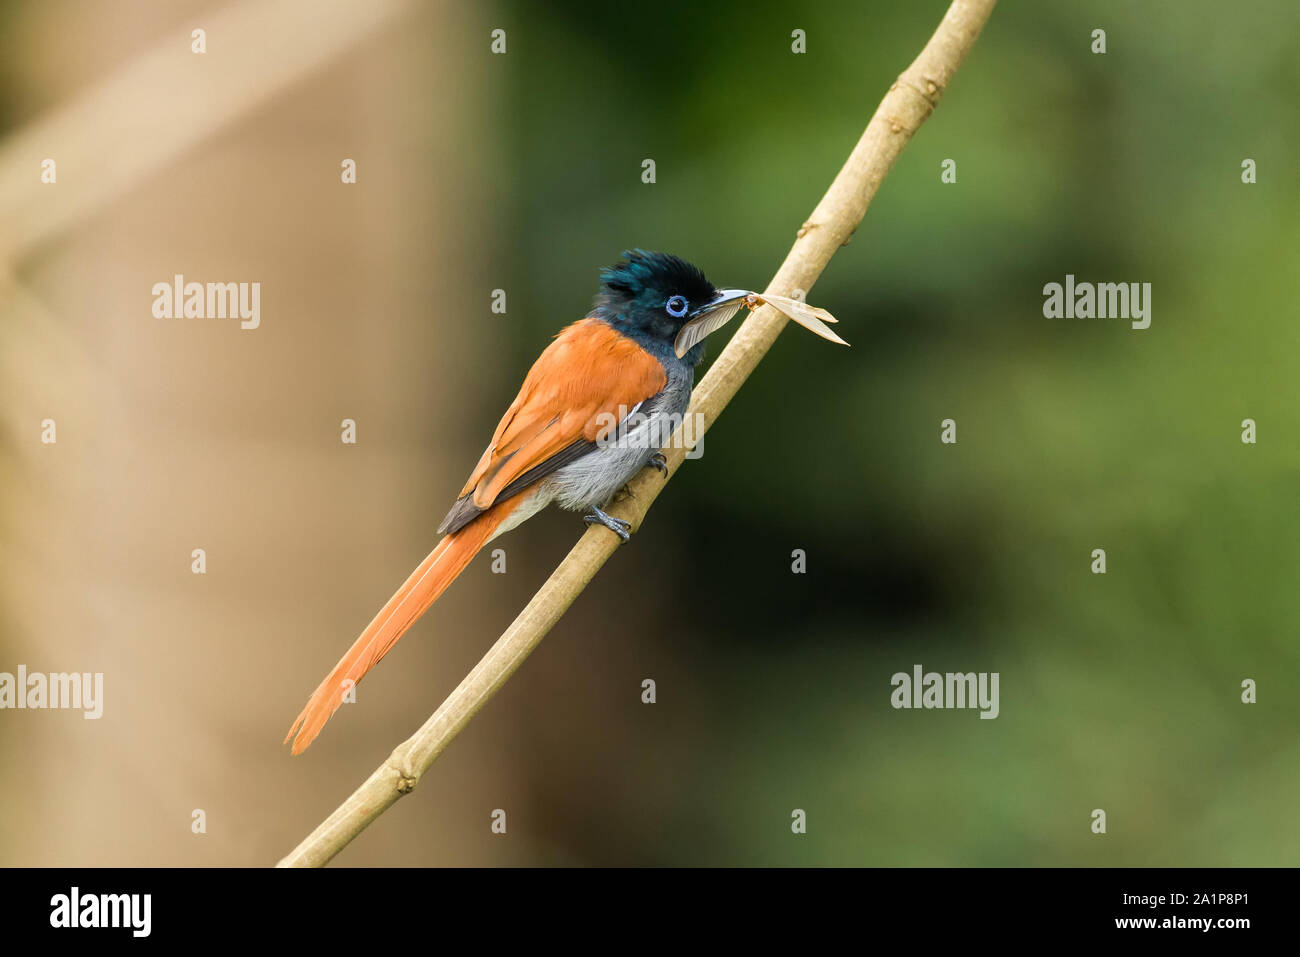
(447, 560)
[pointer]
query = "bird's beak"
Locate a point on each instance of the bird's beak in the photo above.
(709, 318)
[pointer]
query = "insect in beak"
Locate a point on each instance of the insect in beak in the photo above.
(712, 316)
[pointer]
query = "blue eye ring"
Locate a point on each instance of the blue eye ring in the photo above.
(676, 306)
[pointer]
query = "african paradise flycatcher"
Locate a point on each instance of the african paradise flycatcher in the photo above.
(568, 437)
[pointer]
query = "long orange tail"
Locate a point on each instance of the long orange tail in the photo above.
(447, 560)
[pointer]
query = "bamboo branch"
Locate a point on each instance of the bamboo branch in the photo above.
(905, 107)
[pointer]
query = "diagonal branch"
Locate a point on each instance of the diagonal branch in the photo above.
(905, 107)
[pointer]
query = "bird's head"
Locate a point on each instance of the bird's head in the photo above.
(662, 299)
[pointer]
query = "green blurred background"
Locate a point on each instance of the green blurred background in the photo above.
(523, 172)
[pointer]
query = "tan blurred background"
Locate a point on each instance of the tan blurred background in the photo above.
(183, 434)
(522, 172)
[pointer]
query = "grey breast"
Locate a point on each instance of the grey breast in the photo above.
(597, 475)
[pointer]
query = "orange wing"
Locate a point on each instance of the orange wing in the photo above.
(590, 372)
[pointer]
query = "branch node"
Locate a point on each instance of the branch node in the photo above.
(927, 88)
(399, 763)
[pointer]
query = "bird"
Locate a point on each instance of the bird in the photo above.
(587, 418)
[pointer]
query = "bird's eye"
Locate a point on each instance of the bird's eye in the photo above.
(676, 306)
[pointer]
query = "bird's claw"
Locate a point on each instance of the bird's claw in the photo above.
(660, 462)
(618, 526)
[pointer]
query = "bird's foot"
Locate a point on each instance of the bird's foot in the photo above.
(618, 526)
(659, 462)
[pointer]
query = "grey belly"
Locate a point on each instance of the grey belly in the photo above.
(594, 478)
